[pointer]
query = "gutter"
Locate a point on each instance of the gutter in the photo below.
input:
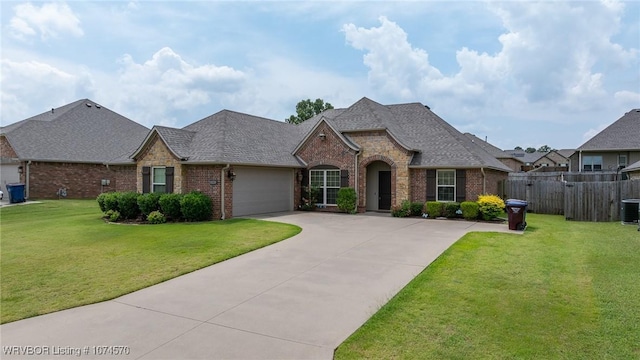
(580, 161)
(356, 180)
(484, 181)
(26, 180)
(224, 170)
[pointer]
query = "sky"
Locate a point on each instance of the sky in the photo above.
(516, 73)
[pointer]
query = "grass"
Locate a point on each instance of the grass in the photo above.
(563, 290)
(61, 254)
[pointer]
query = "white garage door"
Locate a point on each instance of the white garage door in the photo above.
(262, 190)
(8, 175)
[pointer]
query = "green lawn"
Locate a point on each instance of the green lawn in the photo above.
(563, 290)
(61, 254)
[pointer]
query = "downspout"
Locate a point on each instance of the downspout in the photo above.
(484, 181)
(224, 170)
(356, 180)
(26, 180)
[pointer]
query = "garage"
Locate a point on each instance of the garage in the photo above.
(262, 190)
(9, 174)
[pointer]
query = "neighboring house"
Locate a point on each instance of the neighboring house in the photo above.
(68, 148)
(250, 165)
(528, 159)
(633, 171)
(514, 163)
(615, 147)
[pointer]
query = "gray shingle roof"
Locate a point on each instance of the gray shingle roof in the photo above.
(633, 167)
(624, 134)
(525, 157)
(236, 138)
(491, 149)
(75, 132)
(416, 127)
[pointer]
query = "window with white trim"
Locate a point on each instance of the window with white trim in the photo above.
(592, 163)
(446, 185)
(159, 180)
(328, 183)
(622, 160)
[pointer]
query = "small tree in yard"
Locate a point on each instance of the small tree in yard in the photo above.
(306, 109)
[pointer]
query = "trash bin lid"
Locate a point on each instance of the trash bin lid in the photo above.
(515, 202)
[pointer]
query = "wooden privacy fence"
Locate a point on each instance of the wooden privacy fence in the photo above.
(580, 201)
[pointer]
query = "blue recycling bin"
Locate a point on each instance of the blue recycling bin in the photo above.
(517, 211)
(16, 193)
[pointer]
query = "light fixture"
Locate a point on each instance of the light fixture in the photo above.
(20, 169)
(322, 136)
(231, 175)
(300, 176)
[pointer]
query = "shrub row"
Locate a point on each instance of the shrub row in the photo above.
(488, 207)
(156, 208)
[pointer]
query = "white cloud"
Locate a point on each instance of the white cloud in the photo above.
(166, 82)
(550, 53)
(50, 21)
(34, 85)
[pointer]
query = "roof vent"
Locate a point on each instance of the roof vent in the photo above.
(428, 108)
(88, 104)
(98, 106)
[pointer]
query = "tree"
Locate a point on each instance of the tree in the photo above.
(545, 149)
(518, 148)
(530, 150)
(307, 109)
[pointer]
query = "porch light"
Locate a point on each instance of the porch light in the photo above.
(299, 176)
(231, 175)
(20, 169)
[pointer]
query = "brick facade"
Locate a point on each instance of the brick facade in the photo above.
(81, 180)
(6, 151)
(208, 180)
(125, 178)
(513, 164)
(157, 154)
(474, 184)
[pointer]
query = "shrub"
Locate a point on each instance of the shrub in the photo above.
(196, 206)
(113, 215)
(109, 201)
(434, 208)
(403, 210)
(309, 198)
(470, 210)
(170, 206)
(346, 200)
(148, 203)
(100, 200)
(451, 209)
(417, 208)
(156, 217)
(490, 206)
(128, 205)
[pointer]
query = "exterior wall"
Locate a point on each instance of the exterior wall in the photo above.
(634, 175)
(81, 180)
(553, 159)
(609, 158)
(379, 146)
(6, 151)
(157, 154)
(208, 180)
(474, 185)
(513, 164)
(418, 185)
(330, 151)
(124, 177)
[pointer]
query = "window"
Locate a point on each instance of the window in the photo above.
(328, 182)
(592, 163)
(622, 161)
(446, 184)
(159, 180)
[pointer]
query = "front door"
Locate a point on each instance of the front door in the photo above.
(384, 190)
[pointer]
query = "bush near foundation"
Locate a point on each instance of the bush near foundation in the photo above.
(346, 200)
(470, 210)
(434, 209)
(196, 206)
(491, 206)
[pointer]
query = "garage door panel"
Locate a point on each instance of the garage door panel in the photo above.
(262, 190)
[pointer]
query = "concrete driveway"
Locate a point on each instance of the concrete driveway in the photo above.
(297, 299)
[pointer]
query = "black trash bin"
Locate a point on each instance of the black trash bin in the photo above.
(517, 211)
(16, 193)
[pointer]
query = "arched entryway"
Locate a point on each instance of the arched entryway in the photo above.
(378, 186)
